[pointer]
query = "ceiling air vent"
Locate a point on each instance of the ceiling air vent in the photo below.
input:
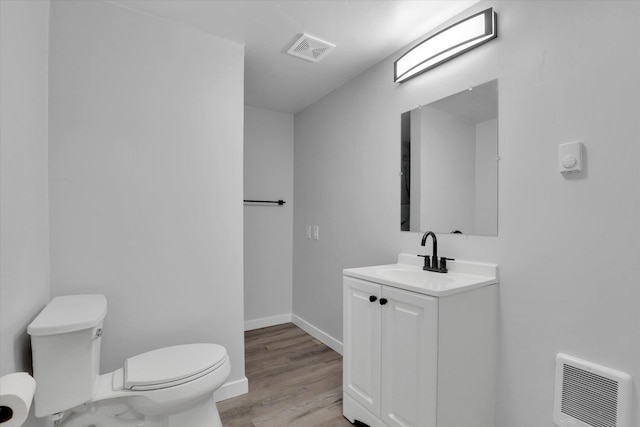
(310, 48)
(590, 395)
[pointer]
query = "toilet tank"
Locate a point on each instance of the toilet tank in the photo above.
(65, 346)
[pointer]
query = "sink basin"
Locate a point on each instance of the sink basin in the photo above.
(417, 277)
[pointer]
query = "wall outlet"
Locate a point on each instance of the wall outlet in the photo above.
(315, 230)
(307, 233)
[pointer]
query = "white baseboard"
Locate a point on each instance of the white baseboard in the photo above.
(232, 389)
(264, 322)
(322, 336)
(318, 334)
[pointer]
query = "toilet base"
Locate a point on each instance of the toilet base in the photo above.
(204, 414)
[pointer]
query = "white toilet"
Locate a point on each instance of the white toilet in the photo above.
(169, 387)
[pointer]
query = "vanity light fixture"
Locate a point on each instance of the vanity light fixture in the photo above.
(453, 41)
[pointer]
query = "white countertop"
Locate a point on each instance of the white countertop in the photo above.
(407, 274)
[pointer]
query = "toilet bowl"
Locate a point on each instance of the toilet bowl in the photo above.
(168, 387)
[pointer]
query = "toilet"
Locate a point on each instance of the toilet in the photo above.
(168, 387)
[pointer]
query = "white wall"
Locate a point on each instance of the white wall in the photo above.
(24, 224)
(268, 235)
(567, 247)
(146, 128)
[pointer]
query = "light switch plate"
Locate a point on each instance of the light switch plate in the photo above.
(570, 157)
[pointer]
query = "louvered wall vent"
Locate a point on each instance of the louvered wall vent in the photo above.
(590, 395)
(310, 48)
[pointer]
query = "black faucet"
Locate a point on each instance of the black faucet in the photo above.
(431, 263)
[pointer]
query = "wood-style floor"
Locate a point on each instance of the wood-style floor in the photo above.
(294, 380)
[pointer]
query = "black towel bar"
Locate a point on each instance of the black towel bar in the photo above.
(280, 202)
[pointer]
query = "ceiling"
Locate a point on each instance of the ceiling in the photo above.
(364, 32)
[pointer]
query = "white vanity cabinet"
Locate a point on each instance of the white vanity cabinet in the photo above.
(389, 353)
(417, 360)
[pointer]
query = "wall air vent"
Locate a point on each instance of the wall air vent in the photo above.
(590, 395)
(310, 48)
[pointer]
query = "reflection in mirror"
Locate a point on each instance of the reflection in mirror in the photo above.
(449, 164)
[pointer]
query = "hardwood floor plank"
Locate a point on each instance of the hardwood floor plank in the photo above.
(294, 380)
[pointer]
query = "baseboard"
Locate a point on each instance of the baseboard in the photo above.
(264, 322)
(232, 389)
(318, 334)
(322, 336)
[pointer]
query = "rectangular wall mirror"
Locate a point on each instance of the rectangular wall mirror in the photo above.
(449, 164)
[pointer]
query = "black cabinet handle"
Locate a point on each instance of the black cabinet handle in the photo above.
(373, 298)
(383, 301)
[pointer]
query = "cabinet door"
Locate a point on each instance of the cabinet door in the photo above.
(361, 371)
(409, 359)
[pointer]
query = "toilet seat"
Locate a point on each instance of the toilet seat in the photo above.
(172, 366)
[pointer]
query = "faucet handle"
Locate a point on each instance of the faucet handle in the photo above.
(443, 263)
(427, 261)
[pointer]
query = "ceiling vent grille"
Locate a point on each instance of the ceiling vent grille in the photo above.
(310, 48)
(590, 395)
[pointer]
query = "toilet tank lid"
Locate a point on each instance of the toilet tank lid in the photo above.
(68, 314)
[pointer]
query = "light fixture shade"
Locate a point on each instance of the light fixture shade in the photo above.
(447, 44)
